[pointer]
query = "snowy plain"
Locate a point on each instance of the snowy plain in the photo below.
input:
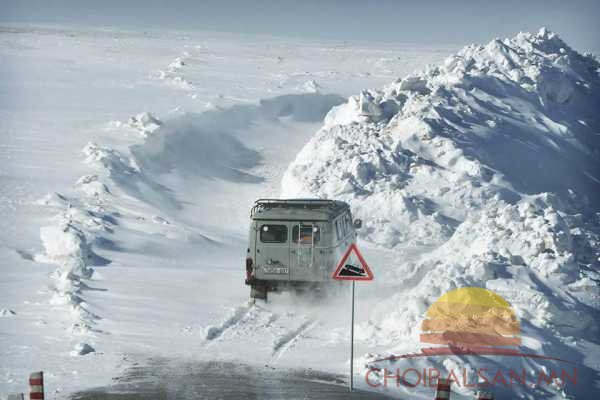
(129, 161)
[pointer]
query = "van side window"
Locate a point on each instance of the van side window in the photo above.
(273, 233)
(304, 234)
(343, 224)
(337, 229)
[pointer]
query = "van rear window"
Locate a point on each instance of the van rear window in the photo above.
(273, 233)
(306, 234)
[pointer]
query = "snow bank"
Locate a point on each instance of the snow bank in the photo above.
(145, 123)
(91, 186)
(189, 146)
(123, 170)
(5, 312)
(68, 242)
(211, 145)
(311, 86)
(172, 74)
(488, 166)
(81, 349)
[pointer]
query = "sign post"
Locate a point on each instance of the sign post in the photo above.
(351, 384)
(352, 267)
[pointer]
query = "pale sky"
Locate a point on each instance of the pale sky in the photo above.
(419, 21)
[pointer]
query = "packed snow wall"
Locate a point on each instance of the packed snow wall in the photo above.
(483, 171)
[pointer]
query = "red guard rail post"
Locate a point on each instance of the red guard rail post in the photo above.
(36, 386)
(442, 391)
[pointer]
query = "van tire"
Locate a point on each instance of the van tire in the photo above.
(258, 292)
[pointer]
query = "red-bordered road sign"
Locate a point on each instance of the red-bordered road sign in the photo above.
(353, 269)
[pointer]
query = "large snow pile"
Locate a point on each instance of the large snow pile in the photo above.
(488, 168)
(493, 123)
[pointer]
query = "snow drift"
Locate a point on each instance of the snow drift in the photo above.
(488, 169)
(212, 144)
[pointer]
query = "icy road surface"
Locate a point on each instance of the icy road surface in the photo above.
(226, 381)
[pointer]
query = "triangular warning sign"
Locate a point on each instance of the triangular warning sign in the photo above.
(353, 267)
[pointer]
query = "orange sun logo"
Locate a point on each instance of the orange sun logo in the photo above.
(469, 321)
(471, 317)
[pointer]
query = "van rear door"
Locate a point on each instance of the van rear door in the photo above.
(303, 265)
(273, 250)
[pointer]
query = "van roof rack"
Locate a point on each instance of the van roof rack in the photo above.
(264, 204)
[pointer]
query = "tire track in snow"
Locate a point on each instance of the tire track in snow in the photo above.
(215, 332)
(287, 340)
(254, 318)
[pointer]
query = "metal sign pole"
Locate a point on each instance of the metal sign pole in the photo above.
(352, 342)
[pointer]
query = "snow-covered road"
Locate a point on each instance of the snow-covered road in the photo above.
(227, 381)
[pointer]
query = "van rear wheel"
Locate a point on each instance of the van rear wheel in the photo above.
(312, 289)
(258, 292)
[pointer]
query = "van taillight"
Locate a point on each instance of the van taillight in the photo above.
(249, 263)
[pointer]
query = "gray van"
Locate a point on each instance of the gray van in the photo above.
(296, 243)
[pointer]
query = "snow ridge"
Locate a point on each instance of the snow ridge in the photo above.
(68, 243)
(84, 220)
(482, 171)
(172, 74)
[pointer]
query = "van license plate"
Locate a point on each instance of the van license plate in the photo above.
(275, 270)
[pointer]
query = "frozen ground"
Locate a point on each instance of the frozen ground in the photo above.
(128, 162)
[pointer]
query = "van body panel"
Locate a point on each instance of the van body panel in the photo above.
(308, 260)
(272, 258)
